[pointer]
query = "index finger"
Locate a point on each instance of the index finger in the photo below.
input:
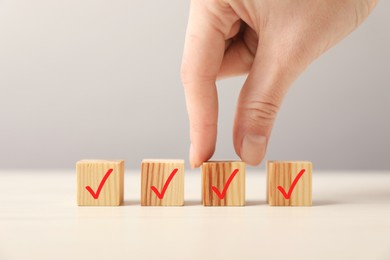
(202, 58)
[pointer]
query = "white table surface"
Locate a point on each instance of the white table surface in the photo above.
(350, 219)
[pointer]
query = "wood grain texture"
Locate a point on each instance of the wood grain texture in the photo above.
(217, 173)
(90, 173)
(283, 173)
(155, 173)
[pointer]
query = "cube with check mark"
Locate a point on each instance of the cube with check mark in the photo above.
(289, 183)
(223, 183)
(162, 183)
(100, 182)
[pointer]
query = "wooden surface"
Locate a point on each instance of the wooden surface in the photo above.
(215, 177)
(90, 173)
(281, 175)
(156, 173)
(349, 219)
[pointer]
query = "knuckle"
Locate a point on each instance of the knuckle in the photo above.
(261, 113)
(205, 127)
(192, 76)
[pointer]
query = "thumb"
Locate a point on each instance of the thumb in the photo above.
(259, 102)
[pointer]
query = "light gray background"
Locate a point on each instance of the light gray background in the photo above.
(101, 79)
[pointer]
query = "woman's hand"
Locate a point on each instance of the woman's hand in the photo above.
(272, 40)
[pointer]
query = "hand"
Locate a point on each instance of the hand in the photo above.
(273, 41)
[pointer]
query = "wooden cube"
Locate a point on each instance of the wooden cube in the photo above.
(162, 183)
(100, 182)
(223, 183)
(289, 183)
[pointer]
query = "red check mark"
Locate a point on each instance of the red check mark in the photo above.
(293, 184)
(96, 195)
(161, 195)
(227, 184)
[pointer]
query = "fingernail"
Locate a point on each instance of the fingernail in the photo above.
(253, 149)
(192, 157)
